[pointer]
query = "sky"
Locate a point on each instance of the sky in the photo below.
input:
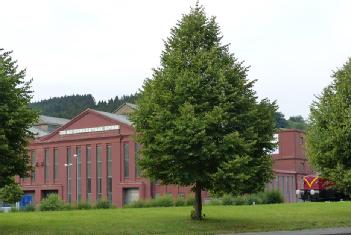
(107, 48)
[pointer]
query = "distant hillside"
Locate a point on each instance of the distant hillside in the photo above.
(71, 105)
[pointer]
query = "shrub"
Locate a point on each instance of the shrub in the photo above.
(190, 201)
(14, 209)
(67, 207)
(254, 199)
(103, 204)
(271, 197)
(163, 201)
(29, 207)
(249, 199)
(137, 204)
(239, 200)
(51, 203)
(148, 203)
(83, 206)
(215, 202)
(180, 201)
(227, 200)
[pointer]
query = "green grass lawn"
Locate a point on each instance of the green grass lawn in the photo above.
(176, 220)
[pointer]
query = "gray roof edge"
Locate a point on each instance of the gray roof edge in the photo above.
(121, 118)
(38, 132)
(133, 106)
(43, 119)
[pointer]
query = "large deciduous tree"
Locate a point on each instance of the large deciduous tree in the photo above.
(15, 119)
(329, 132)
(198, 118)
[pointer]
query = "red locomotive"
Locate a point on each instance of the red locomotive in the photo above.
(317, 188)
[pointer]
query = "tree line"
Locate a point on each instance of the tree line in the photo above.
(293, 122)
(69, 106)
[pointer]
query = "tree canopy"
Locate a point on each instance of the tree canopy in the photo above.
(297, 122)
(15, 119)
(11, 193)
(199, 120)
(294, 122)
(329, 133)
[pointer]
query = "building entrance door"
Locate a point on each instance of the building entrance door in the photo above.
(130, 195)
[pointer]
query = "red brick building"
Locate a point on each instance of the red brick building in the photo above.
(289, 164)
(93, 156)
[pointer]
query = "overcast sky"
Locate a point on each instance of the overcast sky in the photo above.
(107, 48)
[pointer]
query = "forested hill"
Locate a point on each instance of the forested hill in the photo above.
(71, 105)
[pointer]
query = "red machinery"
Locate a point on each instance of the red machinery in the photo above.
(316, 188)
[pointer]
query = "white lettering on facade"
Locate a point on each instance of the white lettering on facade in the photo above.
(91, 129)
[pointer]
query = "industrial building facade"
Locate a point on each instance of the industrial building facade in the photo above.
(290, 164)
(93, 156)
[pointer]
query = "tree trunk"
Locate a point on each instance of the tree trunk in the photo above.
(198, 203)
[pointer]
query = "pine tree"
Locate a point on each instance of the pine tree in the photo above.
(198, 118)
(15, 119)
(329, 132)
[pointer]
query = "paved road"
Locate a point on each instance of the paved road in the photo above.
(326, 231)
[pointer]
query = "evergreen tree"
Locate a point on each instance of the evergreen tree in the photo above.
(71, 105)
(329, 132)
(64, 107)
(198, 118)
(15, 119)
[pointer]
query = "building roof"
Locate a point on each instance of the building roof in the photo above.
(51, 120)
(127, 106)
(133, 106)
(118, 117)
(38, 132)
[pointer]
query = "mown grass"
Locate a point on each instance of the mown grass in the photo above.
(176, 220)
